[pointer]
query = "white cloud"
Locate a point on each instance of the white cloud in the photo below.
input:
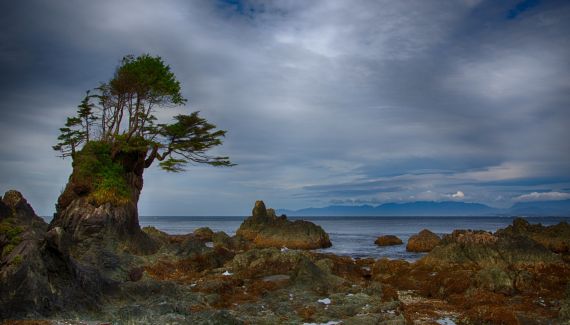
(543, 196)
(458, 195)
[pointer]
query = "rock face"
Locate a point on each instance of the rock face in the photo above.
(37, 275)
(99, 203)
(388, 240)
(424, 241)
(264, 229)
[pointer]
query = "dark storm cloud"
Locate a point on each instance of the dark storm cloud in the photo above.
(325, 101)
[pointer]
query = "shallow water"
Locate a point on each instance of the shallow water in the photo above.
(354, 236)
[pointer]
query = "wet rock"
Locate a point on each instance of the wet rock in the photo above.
(388, 240)
(264, 229)
(424, 241)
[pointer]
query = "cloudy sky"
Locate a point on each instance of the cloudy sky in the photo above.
(325, 102)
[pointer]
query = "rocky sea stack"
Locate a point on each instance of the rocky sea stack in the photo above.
(265, 229)
(99, 202)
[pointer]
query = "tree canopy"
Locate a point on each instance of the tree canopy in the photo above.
(121, 113)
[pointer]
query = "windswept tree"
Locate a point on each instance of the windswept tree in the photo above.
(115, 134)
(124, 116)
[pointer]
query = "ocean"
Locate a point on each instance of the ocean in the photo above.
(354, 236)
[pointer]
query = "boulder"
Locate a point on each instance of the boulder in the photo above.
(424, 241)
(264, 229)
(388, 240)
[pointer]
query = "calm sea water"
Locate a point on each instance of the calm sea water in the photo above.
(354, 236)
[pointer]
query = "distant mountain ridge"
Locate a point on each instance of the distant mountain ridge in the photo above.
(430, 208)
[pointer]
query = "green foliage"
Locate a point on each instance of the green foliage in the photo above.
(94, 166)
(188, 140)
(17, 260)
(122, 121)
(9, 230)
(7, 249)
(12, 233)
(149, 78)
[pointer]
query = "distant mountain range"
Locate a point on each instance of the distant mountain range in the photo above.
(428, 208)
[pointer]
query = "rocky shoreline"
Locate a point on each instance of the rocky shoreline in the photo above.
(84, 267)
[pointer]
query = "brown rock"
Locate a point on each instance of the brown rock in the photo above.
(388, 240)
(424, 241)
(264, 229)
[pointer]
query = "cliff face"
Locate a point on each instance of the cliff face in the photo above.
(101, 196)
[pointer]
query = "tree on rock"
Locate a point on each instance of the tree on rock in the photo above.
(126, 108)
(116, 134)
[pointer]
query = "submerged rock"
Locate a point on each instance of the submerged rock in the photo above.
(424, 241)
(388, 240)
(264, 229)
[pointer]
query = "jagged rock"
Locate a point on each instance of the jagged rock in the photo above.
(424, 241)
(388, 240)
(264, 229)
(37, 275)
(16, 206)
(556, 237)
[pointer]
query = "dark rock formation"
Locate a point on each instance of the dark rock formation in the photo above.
(388, 240)
(98, 208)
(424, 241)
(556, 237)
(264, 229)
(38, 277)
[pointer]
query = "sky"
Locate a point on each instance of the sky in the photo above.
(325, 102)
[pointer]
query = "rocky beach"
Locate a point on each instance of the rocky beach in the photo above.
(97, 266)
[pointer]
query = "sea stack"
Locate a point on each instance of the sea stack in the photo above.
(265, 229)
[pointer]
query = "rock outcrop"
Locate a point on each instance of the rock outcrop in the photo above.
(556, 237)
(265, 229)
(98, 208)
(388, 240)
(488, 278)
(422, 242)
(38, 277)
